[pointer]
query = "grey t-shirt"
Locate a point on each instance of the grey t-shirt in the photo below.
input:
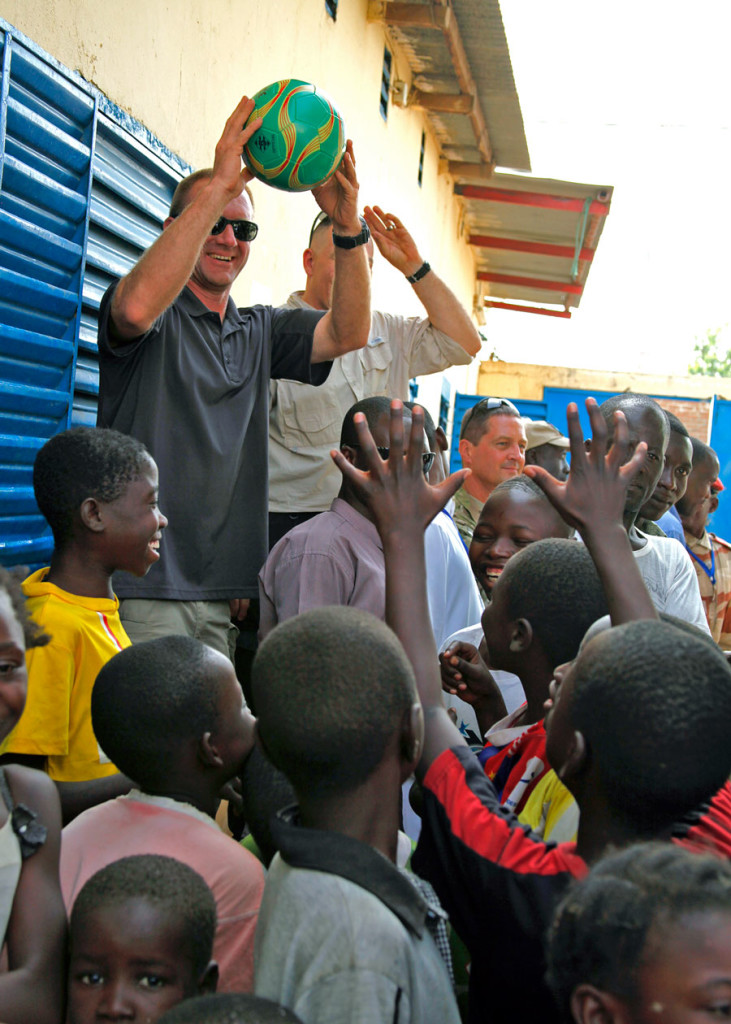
(195, 391)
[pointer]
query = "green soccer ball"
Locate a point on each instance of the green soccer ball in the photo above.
(301, 140)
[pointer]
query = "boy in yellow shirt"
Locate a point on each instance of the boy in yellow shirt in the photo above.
(98, 491)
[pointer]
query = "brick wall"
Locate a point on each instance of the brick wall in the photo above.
(695, 415)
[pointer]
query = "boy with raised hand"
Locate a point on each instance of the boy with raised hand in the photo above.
(98, 491)
(633, 777)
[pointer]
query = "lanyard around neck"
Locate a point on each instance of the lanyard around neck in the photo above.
(710, 573)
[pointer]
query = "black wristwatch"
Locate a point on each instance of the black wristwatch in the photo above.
(352, 241)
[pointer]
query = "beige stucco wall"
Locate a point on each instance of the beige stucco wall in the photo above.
(527, 381)
(180, 67)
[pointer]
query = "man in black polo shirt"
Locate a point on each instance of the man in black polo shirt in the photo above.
(186, 372)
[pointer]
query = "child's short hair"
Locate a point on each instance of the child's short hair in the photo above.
(702, 452)
(676, 425)
(372, 408)
(601, 928)
(654, 704)
(84, 462)
(229, 1008)
(164, 882)
(632, 400)
(527, 485)
(429, 426)
(32, 633)
(331, 687)
(554, 584)
(149, 698)
(264, 791)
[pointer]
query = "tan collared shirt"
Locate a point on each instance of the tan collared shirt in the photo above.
(305, 422)
(716, 594)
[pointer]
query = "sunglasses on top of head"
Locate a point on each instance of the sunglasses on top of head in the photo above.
(244, 230)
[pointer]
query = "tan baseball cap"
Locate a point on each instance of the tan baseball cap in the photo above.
(540, 432)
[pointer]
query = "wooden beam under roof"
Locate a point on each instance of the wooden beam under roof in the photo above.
(405, 15)
(440, 16)
(444, 102)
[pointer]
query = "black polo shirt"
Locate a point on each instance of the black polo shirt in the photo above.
(195, 391)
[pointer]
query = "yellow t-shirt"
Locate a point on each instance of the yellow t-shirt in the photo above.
(56, 723)
(551, 811)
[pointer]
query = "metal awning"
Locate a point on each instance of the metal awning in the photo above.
(461, 77)
(535, 239)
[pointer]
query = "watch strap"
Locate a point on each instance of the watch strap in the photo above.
(418, 274)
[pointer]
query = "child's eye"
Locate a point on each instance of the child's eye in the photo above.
(153, 981)
(91, 978)
(722, 1010)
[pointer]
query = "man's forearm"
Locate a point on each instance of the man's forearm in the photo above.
(162, 272)
(347, 325)
(446, 312)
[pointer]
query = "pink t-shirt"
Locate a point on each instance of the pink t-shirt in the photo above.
(139, 823)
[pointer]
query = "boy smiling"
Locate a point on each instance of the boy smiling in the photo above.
(98, 492)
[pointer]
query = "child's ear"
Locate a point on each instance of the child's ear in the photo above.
(208, 751)
(521, 636)
(412, 737)
(208, 981)
(91, 515)
(590, 1005)
(576, 758)
(348, 452)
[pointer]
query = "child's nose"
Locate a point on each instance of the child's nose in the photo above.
(115, 1004)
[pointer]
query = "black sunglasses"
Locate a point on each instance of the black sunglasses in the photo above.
(244, 230)
(427, 458)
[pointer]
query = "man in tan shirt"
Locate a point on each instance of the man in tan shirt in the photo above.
(304, 422)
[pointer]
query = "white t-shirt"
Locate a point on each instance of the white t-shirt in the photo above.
(454, 600)
(509, 685)
(670, 578)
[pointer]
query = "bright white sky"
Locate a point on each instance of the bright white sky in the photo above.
(634, 94)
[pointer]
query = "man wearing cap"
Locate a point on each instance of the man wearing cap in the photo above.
(304, 422)
(492, 444)
(547, 448)
(710, 554)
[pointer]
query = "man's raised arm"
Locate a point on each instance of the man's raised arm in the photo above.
(444, 310)
(347, 323)
(165, 268)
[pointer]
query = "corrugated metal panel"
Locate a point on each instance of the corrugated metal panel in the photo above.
(721, 443)
(130, 196)
(69, 224)
(46, 139)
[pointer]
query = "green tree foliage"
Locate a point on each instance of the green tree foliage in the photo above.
(712, 357)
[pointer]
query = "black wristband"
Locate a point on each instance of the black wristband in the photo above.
(352, 241)
(421, 272)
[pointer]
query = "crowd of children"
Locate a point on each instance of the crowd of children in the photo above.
(570, 751)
